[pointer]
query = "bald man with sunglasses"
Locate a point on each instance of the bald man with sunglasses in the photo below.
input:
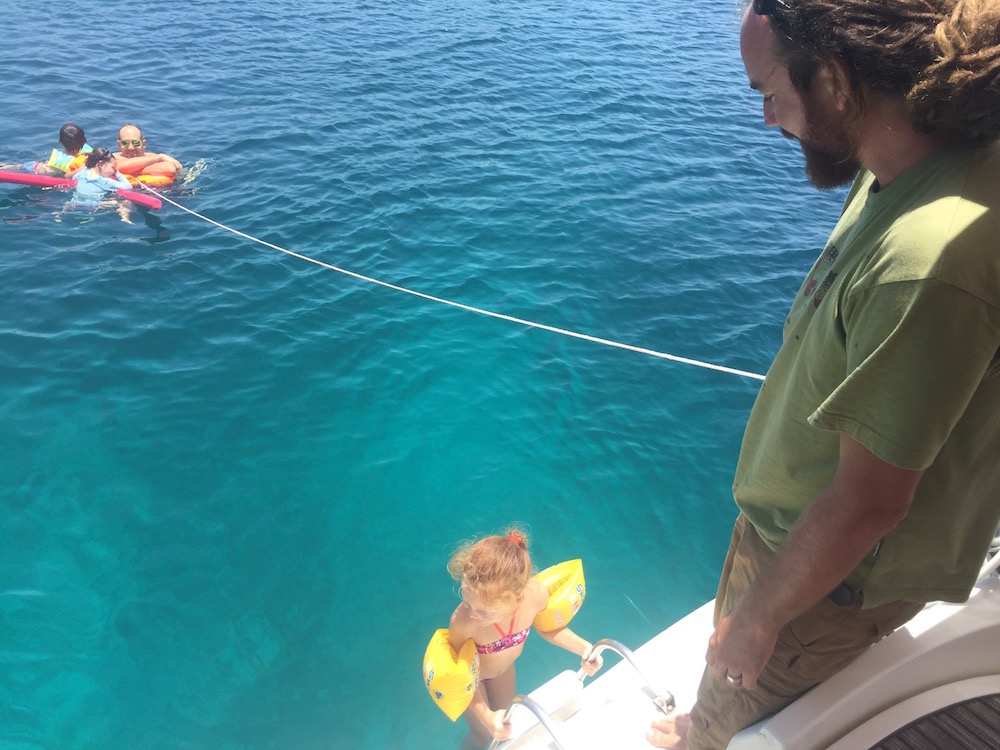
(133, 159)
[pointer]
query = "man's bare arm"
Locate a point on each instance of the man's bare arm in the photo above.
(865, 501)
(135, 164)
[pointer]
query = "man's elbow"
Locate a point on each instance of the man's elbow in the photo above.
(882, 517)
(880, 493)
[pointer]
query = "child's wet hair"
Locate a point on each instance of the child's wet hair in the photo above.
(71, 137)
(97, 156)
(496, 567)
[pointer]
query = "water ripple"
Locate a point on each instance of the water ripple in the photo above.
(232, 479)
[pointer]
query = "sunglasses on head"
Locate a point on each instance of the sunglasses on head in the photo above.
(767, 7)
(135, 144)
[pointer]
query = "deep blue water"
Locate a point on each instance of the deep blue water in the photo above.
(230, 479)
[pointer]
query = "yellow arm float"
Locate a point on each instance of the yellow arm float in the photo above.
(567, 590)
(451, 678)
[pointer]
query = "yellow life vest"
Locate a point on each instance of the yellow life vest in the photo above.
(66, 163)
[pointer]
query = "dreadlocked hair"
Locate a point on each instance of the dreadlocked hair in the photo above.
(941, 56)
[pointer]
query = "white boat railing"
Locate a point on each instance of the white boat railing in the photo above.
(530, 704)
(665, 704)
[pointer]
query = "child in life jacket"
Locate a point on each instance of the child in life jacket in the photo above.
(499, 602)
(68, 161)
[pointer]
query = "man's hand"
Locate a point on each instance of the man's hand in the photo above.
(865, 501)
(739, 649)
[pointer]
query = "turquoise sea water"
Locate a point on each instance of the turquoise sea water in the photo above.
(231, 479)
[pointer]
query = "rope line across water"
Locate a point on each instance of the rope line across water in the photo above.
(459, 305)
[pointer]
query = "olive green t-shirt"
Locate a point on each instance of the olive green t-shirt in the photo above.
(893, 339)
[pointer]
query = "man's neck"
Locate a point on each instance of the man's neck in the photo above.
(888, 143)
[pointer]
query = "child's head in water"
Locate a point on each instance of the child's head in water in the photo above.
(71, 138)
(493, 573)
(103, 160)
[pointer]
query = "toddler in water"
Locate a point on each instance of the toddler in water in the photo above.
(100, 176)
(70, 159)
(499, 602)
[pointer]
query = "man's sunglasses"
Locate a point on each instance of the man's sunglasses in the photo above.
(767, 7)
(135, 144)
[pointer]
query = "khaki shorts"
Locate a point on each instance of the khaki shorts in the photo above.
(811, 648)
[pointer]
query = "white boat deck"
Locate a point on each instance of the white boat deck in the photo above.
(946, 655)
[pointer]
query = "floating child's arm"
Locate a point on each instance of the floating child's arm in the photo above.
(567, 639)
(120, 182)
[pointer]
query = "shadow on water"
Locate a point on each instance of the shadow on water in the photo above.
(25, 198)
(154, 222)
(181, 189)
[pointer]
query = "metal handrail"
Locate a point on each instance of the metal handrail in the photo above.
(666, 705)
(532, 705)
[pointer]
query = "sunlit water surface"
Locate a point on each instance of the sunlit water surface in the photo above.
(231, 479)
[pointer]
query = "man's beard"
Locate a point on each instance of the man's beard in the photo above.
(828, 145)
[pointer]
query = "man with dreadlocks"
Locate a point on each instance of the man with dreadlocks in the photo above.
(868, 482)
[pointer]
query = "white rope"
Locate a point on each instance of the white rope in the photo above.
(459, 305)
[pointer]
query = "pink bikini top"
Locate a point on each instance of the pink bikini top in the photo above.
(507, 640)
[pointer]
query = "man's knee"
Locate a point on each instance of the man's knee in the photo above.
(722, 711)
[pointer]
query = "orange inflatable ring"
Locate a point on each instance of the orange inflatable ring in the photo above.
(150, 179)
